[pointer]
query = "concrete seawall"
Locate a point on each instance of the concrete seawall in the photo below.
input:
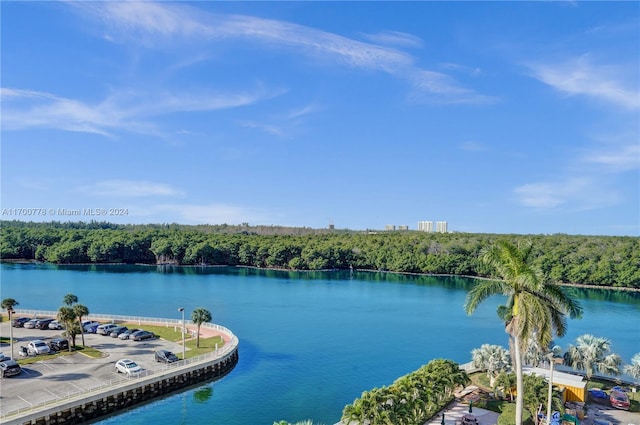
(126, 393)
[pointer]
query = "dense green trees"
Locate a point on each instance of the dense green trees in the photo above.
(593, 260)
(411, 399)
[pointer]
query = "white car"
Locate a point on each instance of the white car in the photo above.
(106, 328)
(56, 325)
(38, 346)
(128, 367)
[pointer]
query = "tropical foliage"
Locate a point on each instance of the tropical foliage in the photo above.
(491, 358)
(534, 309)
(593, 260)
(199, 316)
(633, 369)
(411, 399)
(70, 315)
(593, 355)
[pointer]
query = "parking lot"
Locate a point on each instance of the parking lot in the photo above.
(56, 377)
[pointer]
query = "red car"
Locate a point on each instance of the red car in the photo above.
(619, 400)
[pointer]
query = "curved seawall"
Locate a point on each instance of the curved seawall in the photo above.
(124, 393)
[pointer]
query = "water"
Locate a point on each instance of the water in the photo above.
(309, 342)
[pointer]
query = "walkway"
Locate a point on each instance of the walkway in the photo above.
(455, 411)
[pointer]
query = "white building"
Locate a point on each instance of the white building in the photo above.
(441, 226)
(425, 226)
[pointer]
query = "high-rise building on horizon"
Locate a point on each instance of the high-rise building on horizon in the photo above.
(425, 226)
(441, 226)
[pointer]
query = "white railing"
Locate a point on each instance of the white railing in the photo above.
(218, 355)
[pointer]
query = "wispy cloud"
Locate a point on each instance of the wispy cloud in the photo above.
(267, 128)
(581, 77)
(207, 213)
(472, 146)
(620, 158)
(394, 38)
(124, 110)
(575, 193)
(156, 24)
(129, 189)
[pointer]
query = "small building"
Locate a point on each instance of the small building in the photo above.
(574, 386)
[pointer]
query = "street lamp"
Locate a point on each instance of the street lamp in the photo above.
(10, 311)
(550, 390)
(181, 310)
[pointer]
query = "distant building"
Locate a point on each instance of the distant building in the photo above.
(390, 227)
(441, 226)
(403, 227)
(425, 226)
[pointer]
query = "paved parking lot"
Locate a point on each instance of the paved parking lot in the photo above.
(53, 378)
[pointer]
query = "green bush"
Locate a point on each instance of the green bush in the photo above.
(508, 416)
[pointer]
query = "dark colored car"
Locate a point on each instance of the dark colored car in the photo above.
(59, 344)
(91, 329)
(166, 356)
(140, 335)
(9, 367)
(115, 332)
(43, 323)
(598, 396)
(19, 322)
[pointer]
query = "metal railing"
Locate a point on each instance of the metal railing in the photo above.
(216, 356)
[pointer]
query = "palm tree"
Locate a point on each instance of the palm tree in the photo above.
(535, 307)
(199, 316)
(592, 354)
(81, 311)
(633, 369)
(69, 299)
(67, 316)
(492, 358)
(8, 304)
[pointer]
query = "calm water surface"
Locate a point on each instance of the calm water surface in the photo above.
(309, 342)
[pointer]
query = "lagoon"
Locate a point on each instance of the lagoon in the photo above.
(310, 342)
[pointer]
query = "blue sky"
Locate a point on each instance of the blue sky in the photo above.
(497, 117)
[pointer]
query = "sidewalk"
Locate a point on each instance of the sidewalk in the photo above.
(454, 413)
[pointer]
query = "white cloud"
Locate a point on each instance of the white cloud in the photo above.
(158, 24)
(580, 76)
(129, 189)
(267, 128)
(123, 110)
(472, 146)
(620, 158)
(581, 193)
(205, 214)
(395, 38)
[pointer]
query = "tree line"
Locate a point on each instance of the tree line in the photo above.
(608, 261)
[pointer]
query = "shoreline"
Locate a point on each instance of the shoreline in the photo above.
(573, 285)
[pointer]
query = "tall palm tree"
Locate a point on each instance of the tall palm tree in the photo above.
(199, 316)
(535, 307)
(69, 299)
(81, 311)
(67, 316)
(8, 304)
(592, 354)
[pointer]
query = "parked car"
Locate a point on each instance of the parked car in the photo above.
(128, 367)
(165, 356)
(9, 367)
(619, 400)
(115, 332)
(106, 328)
(598, 396)
(126, 334)
(59, 344)
(43, 323)
(142, 334)
(38, 346)
(89, 326)
(19, 322)
(92, 328)
(56, 325)
(30, 324)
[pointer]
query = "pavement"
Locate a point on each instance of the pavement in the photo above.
(454, 413)
(55, 378)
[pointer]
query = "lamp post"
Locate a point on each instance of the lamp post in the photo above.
(551, 362)
(181, 310)
(10, 311)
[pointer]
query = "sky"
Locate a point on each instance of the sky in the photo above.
(496, 117)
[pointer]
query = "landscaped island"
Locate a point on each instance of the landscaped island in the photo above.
(606, 261)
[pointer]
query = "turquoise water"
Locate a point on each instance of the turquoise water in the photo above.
(309, 342)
